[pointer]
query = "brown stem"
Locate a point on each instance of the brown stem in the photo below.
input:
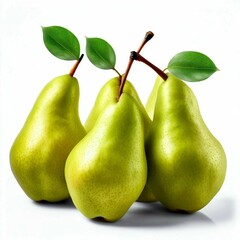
(74, 68)
(136, 56)
(119, 75)
(147, 37)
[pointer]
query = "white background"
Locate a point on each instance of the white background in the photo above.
(208, 26)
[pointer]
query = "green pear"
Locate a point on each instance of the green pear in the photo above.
(150, 105)
(52, 129)
(186, 163)
(107, 96)
(107, 170)
(147, 195)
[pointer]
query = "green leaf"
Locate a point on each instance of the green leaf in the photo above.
(191, 66)
(100, 53)
(61, 42)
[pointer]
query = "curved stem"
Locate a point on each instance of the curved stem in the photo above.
(74, 68)
(138, 57)
(147, 37)
(119, 74)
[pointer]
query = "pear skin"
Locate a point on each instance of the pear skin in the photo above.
(186, 163)
(151, 101)
(52, 129)
(107, 96)
(147, 195)
(107, 170)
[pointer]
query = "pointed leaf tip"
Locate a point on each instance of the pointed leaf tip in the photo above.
(192, 66)
(100, 53)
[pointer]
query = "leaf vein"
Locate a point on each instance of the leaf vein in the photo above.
(65, 48)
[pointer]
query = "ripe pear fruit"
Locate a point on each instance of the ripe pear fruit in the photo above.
(52, 129)
(107, 170)
(107, 96)
(150, 104)
(186, 163)
(147, 195)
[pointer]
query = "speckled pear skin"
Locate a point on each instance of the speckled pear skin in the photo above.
(147, 195)
(107, 170)
(186, 163)
(107, 96)
(52, 129)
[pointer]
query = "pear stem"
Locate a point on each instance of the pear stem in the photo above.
(136, 56)
(74, 68)
(147, 37)
(118, 73)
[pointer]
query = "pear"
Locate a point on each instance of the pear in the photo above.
(186, 163)
(150, 104)
(52, 129)
(107, 170)
(146, 195)
(107, 96)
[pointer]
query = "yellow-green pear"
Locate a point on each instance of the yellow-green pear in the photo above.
(107, 170)
(186, 163)
(107, 96)
(147, 195)
(52, 129)
(150, 104)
